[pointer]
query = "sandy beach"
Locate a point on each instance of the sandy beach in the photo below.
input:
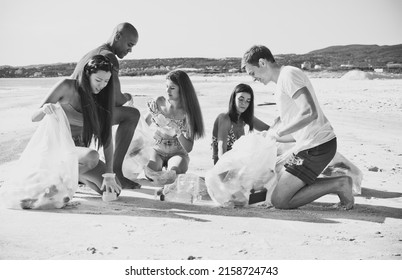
(366, 115)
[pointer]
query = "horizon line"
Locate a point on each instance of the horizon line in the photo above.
(201, 57)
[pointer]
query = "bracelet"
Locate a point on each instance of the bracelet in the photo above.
(109, 175)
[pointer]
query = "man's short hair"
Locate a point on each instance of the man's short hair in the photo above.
(256, 52)
(126, 27)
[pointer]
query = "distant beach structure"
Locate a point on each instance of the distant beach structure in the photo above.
(363, 75)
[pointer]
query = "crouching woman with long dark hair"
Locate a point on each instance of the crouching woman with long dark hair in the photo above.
(87, 102)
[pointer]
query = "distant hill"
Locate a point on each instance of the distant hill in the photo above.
(370, 50)
(365, 57)
(360, 54)
(334, 58)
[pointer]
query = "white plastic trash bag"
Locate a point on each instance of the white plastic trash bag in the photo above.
(249, 165)
(139, 151)
(46, 174)
(340, 166)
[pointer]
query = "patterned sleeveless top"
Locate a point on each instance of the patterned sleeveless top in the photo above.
(165, 125)
(229, 140)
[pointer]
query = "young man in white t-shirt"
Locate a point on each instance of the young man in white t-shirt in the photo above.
(301, 120)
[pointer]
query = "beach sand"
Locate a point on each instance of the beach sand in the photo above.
(367, 117)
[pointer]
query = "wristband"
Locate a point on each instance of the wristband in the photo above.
(109, 175)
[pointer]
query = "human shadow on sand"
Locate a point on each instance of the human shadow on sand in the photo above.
(316, 212)
(369, 193)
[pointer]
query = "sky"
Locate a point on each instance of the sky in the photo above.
(54, 31)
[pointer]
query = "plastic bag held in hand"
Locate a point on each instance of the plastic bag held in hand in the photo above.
(242, 169)
(46, 174)
(140, 149)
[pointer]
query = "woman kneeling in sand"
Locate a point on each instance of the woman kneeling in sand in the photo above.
(178, 122)
(87, 102)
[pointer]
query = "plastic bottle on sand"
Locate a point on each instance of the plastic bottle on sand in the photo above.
(183, 190)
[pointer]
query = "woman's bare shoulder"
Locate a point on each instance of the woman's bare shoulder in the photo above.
(223, 121)
(223, 117)
(66, 83)
(65, 88)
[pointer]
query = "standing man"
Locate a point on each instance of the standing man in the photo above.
(301, 120)
(120, 43)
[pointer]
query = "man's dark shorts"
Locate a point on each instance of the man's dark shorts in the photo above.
(308, 164)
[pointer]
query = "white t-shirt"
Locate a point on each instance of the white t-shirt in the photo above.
(319, 131)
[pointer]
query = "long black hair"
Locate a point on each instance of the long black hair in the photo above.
(248, 115)
(96, 108)
(189, 102)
